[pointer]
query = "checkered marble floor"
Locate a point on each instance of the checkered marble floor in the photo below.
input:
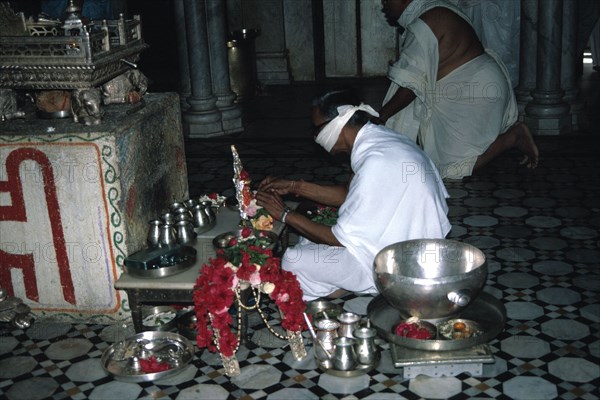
(538, 228)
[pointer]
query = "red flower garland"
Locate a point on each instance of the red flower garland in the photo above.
(214, 293)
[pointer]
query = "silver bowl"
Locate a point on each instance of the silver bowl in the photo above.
(430, 278)
(222, 241)
(159, 318)
(119, 358)
(323, 309)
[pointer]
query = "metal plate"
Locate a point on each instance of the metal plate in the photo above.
(405, 357)
(148, 263)
(488, 312)
(361, 370)
(150, 312)
(116, 359)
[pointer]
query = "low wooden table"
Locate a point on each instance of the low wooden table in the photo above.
(179, 288)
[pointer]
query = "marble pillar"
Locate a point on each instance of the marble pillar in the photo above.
(547, 113)
(527, 56)
(569, 60)
(230, 113)
(202, 119)
(185, 88)
(206, 97)
(272, 65)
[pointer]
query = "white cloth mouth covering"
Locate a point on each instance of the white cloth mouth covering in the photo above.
(331, 132)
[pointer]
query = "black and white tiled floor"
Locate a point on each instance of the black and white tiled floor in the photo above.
(540, 231)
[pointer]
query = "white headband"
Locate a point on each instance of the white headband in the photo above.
(331, 132)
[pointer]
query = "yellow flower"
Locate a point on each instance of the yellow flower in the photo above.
(267, 287)
(263, 223)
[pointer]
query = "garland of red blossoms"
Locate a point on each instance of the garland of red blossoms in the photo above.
(245, 263)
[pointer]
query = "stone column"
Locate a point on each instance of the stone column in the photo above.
(230, 113)
(271, 54)
(547, 113)
(570, 58)
(202, 119)
(185, 89)
(527, 55)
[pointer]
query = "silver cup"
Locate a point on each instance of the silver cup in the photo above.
(168, 218)
(183, 217)
(365, 347)
(348, 323)
(200, 218)
(167, 235)
(181, 211)
(344, 355)
(326, 334)
(185, 232)
(208, 209)
(175, 206)
(154, 232)
(190, 203)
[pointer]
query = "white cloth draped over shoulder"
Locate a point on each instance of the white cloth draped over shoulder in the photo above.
(395, 194)
(458, 117)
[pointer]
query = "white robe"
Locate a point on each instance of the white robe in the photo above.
(458, 117)
(396, 194)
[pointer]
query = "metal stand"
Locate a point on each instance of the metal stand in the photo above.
(441, 363)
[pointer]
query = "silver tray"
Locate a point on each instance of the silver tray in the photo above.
(487, 311)
(362, 369)
(147, 263)
(117, 358)
(404, 357)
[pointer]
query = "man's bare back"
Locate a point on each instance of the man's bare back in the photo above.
(457, 40)
(457, 44)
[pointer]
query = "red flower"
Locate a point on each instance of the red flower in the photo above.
(214, 292)
(152, 365)
(244, 175)
(246, 232)
(213, 195)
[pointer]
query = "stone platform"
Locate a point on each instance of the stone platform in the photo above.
(76, 200)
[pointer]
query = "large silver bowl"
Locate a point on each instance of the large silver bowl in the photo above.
(430, 278)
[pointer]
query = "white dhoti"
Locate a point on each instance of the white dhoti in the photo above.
(458, 117)
(322, 269)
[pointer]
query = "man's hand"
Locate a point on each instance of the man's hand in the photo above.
(277, 185)
(270, 201)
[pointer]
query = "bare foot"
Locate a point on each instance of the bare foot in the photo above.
(524, 142)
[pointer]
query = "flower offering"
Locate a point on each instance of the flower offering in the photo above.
(258, 217)
(246, 262)
(215, 198)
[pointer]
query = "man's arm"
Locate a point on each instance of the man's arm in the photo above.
(324, 194)
(330, 195)
(402, 98)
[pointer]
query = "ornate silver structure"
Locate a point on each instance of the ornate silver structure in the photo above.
(93, 54)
